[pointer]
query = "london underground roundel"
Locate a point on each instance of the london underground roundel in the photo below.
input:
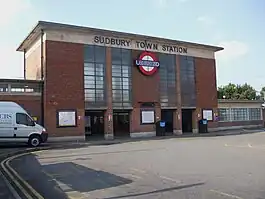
(148, 63)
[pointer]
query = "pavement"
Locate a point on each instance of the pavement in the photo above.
(226, 167)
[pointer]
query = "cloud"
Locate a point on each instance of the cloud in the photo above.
(10, 10)
(206, 20)
(232, 50)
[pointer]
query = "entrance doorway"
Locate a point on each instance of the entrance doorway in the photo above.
(121, 123)
(94, 123)
(187, 120)
(167, 116)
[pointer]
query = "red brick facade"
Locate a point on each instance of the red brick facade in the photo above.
(144, 89)
(64, 85)
(206, 89)
(64, 89)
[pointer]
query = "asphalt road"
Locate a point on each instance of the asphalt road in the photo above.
(6, 149)
(229, 167)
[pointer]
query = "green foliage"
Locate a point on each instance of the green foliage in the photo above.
(262, 93)
(237, 92)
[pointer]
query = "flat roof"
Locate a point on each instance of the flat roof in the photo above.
(239, 101)
(26, 81)
(46, 25)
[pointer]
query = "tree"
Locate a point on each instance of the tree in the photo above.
(232, 91)
(262, 92)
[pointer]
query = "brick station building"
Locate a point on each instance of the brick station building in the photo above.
(108, 83)
(84, 81)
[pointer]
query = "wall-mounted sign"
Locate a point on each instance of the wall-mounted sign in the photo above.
(147, 63)
(66, 118)
(141, 45)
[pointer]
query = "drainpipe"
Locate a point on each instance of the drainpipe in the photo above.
(42, 78)
(24, 63)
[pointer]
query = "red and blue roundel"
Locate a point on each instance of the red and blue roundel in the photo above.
(147, 63)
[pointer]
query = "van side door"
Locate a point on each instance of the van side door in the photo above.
(6, 125)
(24, 126)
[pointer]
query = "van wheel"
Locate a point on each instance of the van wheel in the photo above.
(34, 141)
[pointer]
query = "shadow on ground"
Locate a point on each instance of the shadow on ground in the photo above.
(53, 180)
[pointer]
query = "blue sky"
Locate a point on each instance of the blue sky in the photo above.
(237, 25)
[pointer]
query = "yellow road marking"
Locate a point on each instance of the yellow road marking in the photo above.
(14, 180)
(20, 178)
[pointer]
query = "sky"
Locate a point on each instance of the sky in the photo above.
(236, 25)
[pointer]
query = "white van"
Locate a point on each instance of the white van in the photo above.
(17, 126)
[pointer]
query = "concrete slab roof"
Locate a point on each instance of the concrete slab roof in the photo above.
(45, 25)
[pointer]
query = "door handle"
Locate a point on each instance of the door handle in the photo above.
(15, 128)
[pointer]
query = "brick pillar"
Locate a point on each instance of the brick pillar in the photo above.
(196, 116)
(178, 114)
(108, 116)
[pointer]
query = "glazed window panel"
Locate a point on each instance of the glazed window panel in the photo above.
(94, 71)
(116, 83)
(116, 56)
(126, 57)
(187, 81)
(89, 53)
(255, 114)
(121, 76)
(239, 114)
(100, 54)
(167, 73)
(224, 114)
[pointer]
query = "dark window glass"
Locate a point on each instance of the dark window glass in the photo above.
(94, 71)
(167, 72)
(89, 53)
(187, 80)
(121, 77)
(100, 54)
(22, 118)
(126, 57)
(116, 56)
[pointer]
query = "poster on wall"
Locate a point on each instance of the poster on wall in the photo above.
(207, 114)
(148, 117)
(66, 118)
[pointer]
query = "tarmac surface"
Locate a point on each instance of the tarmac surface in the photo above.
(227, 167)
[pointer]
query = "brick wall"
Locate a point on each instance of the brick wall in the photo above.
(64, 85)
(31, 103)
(144, 89)
(206, 89)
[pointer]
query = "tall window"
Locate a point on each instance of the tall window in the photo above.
(121, 77)
(167, 72)
(94, 71)
(187, 80)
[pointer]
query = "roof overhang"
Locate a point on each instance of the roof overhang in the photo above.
(44, 25)
(239, 101)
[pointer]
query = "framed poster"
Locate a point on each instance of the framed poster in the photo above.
(147, 116)
(207, 114)
(66, 118)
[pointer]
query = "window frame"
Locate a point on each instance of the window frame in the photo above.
(29, 119)
(121, 77)
(66, 110)
(99, 75)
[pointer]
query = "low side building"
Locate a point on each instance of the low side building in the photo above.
(235, 114)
